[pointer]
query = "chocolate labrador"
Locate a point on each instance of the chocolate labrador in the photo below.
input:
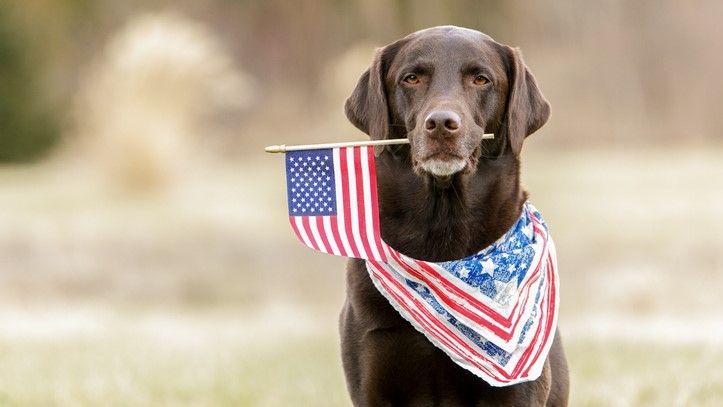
(445, 196)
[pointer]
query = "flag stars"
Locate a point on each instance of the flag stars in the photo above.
(311, 183)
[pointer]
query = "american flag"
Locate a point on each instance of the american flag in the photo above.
(332, 196)
(493, 313)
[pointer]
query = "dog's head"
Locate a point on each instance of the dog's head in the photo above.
(443, 88)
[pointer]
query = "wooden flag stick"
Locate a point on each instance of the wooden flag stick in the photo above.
(282, 148)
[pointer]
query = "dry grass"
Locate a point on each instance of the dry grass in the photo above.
(210, 359)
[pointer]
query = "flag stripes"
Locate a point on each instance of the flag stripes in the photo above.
(352, 229)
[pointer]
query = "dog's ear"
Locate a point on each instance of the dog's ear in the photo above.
(527, 109)
(367, 108)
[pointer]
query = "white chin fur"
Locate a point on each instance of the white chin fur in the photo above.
(443, 168)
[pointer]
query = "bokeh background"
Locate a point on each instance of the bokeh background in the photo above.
(145, 257)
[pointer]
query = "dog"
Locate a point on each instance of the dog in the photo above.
(445, 196)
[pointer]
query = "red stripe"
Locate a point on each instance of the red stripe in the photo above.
(322, 233)
(375, 202)
(296, 230)
(305, 224)
(432, 326)
(525, 356)
(503, 334)
(345, 197)
(334, 225)
(522, 361)
(361, 201)
(550, 313)
(545, 316)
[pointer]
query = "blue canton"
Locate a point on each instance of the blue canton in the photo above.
(310, 183)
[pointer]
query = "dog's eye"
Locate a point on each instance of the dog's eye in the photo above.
(480, 80)
(411, 79)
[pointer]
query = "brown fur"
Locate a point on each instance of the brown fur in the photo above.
(440, 217)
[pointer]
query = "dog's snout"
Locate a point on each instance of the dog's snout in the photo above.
(442, 121)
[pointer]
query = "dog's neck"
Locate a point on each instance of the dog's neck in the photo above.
(439, 221)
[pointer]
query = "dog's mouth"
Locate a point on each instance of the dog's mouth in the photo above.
(442, 165)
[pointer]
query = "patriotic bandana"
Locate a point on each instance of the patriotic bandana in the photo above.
(493, 313)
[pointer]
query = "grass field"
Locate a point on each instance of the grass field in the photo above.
(210, 359)
(182, 298)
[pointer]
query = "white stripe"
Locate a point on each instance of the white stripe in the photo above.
(353, 204)
(302, 231)
(366, 184)
(316, 235)
(330, 235)
(340, 205)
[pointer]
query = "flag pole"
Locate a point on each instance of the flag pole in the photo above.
(282, 148)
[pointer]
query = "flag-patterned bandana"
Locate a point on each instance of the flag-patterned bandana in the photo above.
(493, 313)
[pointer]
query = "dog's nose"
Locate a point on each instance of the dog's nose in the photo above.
(442, 121)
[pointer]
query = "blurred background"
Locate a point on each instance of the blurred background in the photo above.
(145, 256)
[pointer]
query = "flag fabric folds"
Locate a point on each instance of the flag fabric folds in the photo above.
(493, 313)
(332, 196)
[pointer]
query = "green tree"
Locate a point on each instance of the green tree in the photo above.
(28, 129)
